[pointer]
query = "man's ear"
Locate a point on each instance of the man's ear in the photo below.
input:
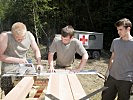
(129, 28)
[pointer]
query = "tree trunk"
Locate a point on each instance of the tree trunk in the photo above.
(35, 26)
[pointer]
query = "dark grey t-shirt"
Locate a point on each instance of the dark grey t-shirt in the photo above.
(66, 53)
(122, 67)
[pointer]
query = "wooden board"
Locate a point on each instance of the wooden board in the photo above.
(76, 87)
(64, 87)
(20, 91)
(58, 88)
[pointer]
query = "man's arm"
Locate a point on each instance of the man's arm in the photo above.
(111, 61)
(82, 62)
(36, 51)
(109, 64)
(81, 51)
(50, 61)
(3, 46)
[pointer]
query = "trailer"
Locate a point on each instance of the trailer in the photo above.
(92, 41)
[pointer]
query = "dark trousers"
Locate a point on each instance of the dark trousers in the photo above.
(63, 67)
(120, 87)
(6, 84)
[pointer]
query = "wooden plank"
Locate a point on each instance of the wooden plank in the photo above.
(76, 87)
(64, 87)
(53, 87)
(58, 88)
(20, 91)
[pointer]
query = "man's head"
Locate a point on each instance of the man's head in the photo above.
(19, 31)
(67, 34)
(124, 22)
(123, 27)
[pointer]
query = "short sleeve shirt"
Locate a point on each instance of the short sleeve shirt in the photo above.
(66, 53)
(122, 67)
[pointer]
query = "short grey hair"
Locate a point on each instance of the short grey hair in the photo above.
(19, 28)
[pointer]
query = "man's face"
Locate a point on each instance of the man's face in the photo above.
(66, 40)
(19, 38)
(122, 31)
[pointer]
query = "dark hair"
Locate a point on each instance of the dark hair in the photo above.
(67, 31)
(124, 22)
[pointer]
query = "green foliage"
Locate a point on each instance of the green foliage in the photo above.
(4, 6)
(47, 17)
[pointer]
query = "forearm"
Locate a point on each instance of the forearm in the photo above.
(111, 61)
(83, 61)
(38, 57)
(50, 59)
(38, 60)
(109, 67)
(8, 59)
(110, 64)
(51, 63)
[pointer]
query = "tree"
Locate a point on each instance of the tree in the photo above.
(45, 18)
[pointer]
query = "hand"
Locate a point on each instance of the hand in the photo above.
(51, 69)
(40, 67)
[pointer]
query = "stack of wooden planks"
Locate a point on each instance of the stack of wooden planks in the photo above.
(60, 87)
